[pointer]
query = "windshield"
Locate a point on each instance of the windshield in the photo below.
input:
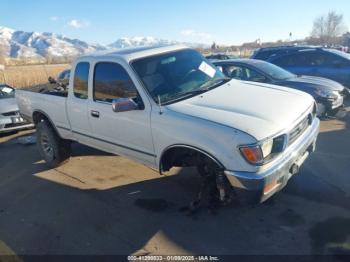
(177, 75)
(340, 53)
(273, 71)
(6, 92)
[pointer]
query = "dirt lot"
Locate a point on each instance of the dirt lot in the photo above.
(103, 204)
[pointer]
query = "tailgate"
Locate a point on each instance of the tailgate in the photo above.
(24, 101)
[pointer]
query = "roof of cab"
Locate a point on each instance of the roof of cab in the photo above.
(134, 52)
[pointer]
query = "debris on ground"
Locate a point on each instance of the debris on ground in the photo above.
(27, 140)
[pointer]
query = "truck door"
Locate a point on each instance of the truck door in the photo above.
(77, 103)
(127, 133)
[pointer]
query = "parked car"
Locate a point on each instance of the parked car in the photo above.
(220, 57)
(10, 118)
(327, 93)
(167, 106)
(310, 60)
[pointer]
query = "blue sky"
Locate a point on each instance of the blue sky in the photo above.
(223, 21)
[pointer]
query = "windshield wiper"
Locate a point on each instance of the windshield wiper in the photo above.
(214, 83)
(186, 94)
(202, 89)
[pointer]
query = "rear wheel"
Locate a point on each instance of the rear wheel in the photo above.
(54, 150)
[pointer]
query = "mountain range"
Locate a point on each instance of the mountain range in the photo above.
(20, 44)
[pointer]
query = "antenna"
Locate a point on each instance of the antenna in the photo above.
(160, 105)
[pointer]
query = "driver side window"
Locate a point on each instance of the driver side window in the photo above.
(233, 71)
(243, 73)
(111, 81)
(254, 76)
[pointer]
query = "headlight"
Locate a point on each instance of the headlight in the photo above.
(327, 95)
(266, 147)
(263, 152)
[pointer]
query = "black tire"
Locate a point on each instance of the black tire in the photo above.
(54, 150)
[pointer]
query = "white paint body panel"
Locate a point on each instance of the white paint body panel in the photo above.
(216, 122)
(260, 110)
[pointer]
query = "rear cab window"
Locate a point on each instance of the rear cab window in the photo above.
(81, 79)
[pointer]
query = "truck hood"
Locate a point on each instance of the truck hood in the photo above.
(8, 105)
(260, 110)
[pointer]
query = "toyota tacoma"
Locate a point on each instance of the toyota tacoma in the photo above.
(167, 106)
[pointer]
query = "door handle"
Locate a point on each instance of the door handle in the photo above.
(95, 113)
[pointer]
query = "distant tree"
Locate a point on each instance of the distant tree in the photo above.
(214, 46)
(327, 28)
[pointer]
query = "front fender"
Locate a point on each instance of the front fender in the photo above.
(220, 142)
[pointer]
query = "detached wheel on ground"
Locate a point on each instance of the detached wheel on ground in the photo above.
(54, 150)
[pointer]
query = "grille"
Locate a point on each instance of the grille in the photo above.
(299, 129)
(13, 113)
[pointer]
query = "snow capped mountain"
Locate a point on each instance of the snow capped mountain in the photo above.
(139, 41)
(149, 40)
(20, 44)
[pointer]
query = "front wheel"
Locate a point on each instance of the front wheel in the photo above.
(54, 150)
(321, 110)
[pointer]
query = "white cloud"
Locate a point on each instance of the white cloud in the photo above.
(196, 36)
(54, 18)
(74, 23)
(187, 32)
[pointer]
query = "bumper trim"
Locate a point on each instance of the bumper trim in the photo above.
(278, 171)
(10, 129)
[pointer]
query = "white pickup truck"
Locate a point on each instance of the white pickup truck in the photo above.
(167, 106)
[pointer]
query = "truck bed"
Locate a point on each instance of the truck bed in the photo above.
(45, 99)
(49, 89)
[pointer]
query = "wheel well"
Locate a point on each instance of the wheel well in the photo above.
(39, 116)
(184, 156)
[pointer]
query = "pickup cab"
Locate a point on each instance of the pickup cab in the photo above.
(167, 106)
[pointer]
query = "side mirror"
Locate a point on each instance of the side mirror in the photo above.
(52, 80)
(124, 105)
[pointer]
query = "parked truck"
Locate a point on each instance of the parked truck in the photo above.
(167, 106)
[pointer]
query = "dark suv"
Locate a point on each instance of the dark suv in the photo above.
(310, 60)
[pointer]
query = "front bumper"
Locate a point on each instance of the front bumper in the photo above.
(328, 106)
(7, 124)
(252, 188)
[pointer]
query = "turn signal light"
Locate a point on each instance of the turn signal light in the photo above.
(252, 154)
